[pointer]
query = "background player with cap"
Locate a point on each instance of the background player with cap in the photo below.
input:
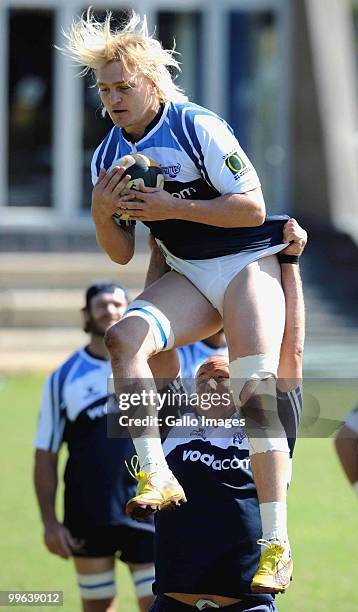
(97, 484)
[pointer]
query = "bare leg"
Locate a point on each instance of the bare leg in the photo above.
(88, 568)
(131, 343)
(144, 590)
(254, 318)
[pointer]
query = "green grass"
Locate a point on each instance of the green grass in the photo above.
(25, 562)
(323, 519)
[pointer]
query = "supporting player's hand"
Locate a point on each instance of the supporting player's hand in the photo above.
(148, 204)
(106, 193)
(296, 236)
(58, 540)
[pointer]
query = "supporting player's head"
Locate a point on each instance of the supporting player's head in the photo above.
(106, 303)
(125, 61)
(213, 378)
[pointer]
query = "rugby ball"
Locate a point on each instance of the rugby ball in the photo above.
(143, 170)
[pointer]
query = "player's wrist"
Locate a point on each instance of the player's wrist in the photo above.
(50, 522)
(285, 258)
(178, 209)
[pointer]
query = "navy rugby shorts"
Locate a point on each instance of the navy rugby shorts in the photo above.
(129, 544)
(167, 604)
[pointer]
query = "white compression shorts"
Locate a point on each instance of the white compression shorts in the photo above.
(213, 276)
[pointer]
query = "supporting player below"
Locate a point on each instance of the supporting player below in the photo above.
(97, 484)
(206, 553)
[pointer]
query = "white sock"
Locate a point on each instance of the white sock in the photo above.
(150, 454)
(274, 521)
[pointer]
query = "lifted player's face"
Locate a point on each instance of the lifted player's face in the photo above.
(104, 311)
(129, 99)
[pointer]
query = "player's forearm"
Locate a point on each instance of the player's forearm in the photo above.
(45, 481)
(291, 355)
(117, 242)
(230, 210)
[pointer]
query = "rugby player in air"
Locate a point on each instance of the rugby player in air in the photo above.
(210, 223)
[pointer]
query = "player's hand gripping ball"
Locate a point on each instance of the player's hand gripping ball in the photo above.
(144, 171)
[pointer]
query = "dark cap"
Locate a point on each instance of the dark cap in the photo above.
(104, 287)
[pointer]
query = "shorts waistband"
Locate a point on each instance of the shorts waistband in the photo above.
(178, 606)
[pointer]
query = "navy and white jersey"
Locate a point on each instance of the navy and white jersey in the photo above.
(201, 159)
(352, 420)
(208, 545)
(74, 410)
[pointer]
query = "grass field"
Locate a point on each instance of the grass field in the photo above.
(322, 513)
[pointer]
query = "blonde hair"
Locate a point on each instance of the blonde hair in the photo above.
(92, 44)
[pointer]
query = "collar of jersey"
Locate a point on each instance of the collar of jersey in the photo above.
(151, 127)
(91, 357)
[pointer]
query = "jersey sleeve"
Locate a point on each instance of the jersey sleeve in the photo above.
(224, 163)
(95, 164)
(352, 420)
(51, 421)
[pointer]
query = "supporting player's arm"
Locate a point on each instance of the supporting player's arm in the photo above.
(290, 366)
(117, 242)
(57, 537)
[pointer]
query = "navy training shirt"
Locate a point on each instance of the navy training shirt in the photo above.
(74, 410)
(209, 545)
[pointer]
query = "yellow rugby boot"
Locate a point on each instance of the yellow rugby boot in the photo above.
(274, 572)
(157, 490)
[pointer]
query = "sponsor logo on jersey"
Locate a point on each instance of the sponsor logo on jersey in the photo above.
(236, 165)
(184, 193)
(231, 463)
(171, 171)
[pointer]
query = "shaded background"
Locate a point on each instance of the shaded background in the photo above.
(283, 73)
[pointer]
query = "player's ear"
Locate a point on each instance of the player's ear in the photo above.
(156, 91)
(85, 318)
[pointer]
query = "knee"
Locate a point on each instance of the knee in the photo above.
(259, 403)
(125, 339)
(254, 375)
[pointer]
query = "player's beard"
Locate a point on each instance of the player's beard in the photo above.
(97, 328)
